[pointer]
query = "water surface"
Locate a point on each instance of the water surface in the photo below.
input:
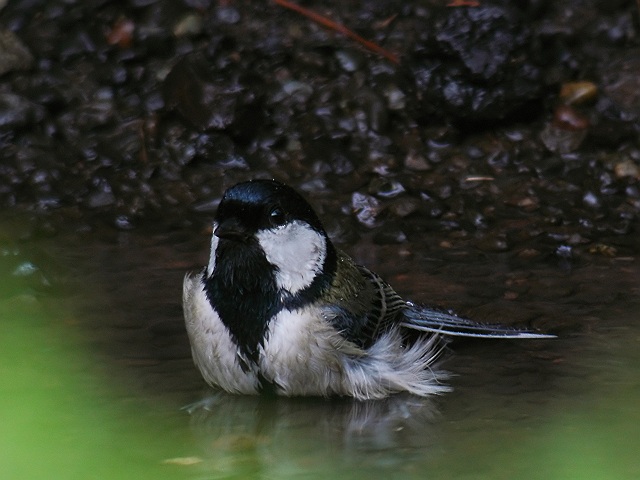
(97, 372)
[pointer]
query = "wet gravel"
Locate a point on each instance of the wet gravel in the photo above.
(504, 127)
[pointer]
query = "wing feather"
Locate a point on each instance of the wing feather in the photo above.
(387, 306)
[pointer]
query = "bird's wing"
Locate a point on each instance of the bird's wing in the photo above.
(368, 307)
(426, 319)
(361, 306)
(386, 307)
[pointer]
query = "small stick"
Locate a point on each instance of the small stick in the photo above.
(316, 17)
(466, 3)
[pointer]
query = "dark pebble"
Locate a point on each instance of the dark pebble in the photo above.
(17, 111)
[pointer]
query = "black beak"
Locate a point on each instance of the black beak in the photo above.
(231, 229)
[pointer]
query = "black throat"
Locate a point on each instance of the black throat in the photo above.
(244, 292)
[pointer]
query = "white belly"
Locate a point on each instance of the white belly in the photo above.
(305, 355)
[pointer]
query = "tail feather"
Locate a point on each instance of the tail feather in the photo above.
(427, 319)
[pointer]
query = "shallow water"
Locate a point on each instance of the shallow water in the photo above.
(101, 363)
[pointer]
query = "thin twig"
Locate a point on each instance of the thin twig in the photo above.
(322, 20)
(465, 3)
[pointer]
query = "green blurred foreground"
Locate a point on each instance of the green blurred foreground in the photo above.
(58, 419)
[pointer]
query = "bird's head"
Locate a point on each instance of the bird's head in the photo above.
(265, 225)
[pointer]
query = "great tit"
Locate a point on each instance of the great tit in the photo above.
(279, 309)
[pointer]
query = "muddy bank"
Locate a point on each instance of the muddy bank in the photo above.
(509, 128)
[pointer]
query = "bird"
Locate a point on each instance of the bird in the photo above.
(280, 310)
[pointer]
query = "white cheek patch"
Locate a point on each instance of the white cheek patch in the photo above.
(214, 245)
(298, 252)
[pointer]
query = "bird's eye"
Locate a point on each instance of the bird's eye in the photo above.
(277, 217)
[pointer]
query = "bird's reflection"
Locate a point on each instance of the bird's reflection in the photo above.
(276, 431)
